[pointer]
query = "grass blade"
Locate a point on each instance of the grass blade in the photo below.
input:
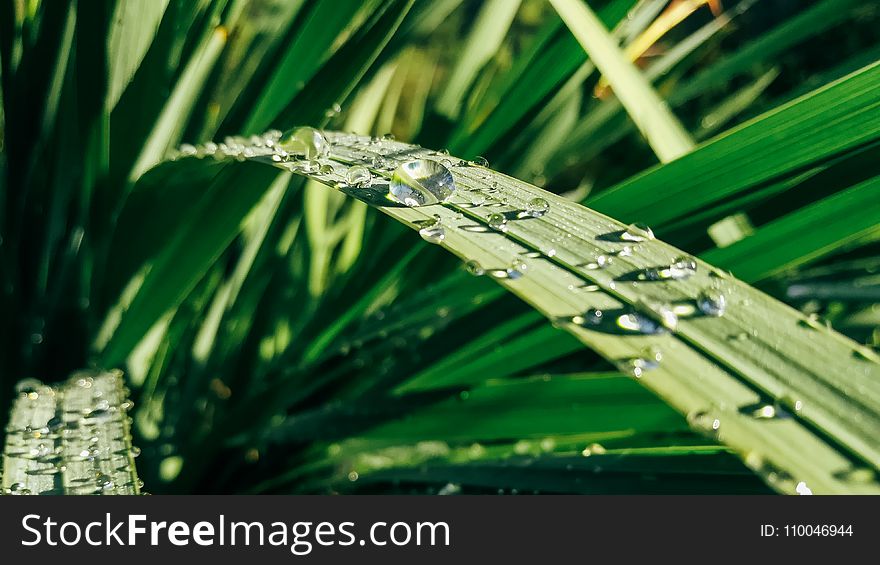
(651, 115)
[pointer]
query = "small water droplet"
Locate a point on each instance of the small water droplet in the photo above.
(681, 268)
(480, 161)
(600, 261)
(358, 176)
(333, 110)
(433, 231)
(18, 489)
(27, 387)
(537, 207)
(421, 183)
(134, 451)
(637, 232)
(326, 169)
(497, 221)
(305, 142)
(712, 302)
(592, 317)
(704, 422)
(55, 424)
(353, 476)
(99, 414)
(478, 198)
(104, 481)
(802, 489)
(389, 137)
(593, 449)
(517, 269)
(637, 366)
(474, 268)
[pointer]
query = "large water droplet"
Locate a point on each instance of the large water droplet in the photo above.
(681, 268)
(637, 232)
(421, 183)
(305, 142)
(712, 302)
(358, 176)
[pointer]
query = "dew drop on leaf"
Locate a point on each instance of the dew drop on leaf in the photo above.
(305, 142)
(517, 269)
(637, 232)
(712, 302)
(433, 232)
(358, 176)
(421, 183)
(497, 221)
(474, 268)
(537, 207)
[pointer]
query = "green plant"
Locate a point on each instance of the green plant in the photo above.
(288, 332)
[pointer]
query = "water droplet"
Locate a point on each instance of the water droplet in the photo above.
(326, 169)
(421, 183)
(497, 221)
(104, 481)
(537, 207)
(600, 261)
(480, 161)
(55, 424)
(305, 142)
(478, 198)
(17, 489)
(389, 137)
(98, 414)
(712, 302)
(592, 317)
(27, 387)
(381, 163)
(764, 412)
(662, 319)
(704, 422)
(333, 110)
(449, 489)
(681, 268)
(636, 366)
(593, 449)
(134, 451)
(433, 231)
(517, 269)
(353, 476)
(358, 176)
(802, 489)
(637, 232)
(474, 268)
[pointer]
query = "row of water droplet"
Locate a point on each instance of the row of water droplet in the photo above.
(92, 437)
